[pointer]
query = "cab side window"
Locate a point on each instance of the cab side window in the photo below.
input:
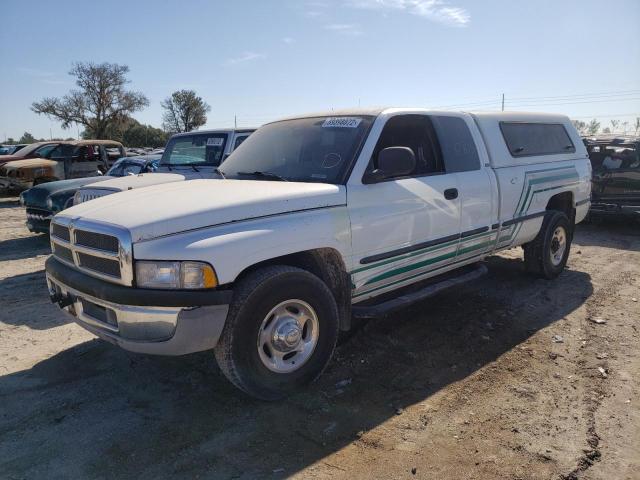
(417, 133)
(238, 141)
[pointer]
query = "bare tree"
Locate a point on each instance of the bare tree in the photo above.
(614, 125)
(99, 102)
(184, 111)
(580, 126)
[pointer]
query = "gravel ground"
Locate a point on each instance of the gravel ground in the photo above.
(510, 377)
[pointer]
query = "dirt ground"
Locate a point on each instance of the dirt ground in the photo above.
(507, 378)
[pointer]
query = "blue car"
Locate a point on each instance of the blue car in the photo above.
(46, 199)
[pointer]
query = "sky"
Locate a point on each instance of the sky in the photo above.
(256, 61)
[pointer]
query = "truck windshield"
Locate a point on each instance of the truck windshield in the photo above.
(196, 149)
(318, 149)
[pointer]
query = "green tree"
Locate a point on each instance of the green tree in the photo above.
(100, 101)
(138, 135)
(606, 130)
(27, 138)
(593, 127)
(184, 111)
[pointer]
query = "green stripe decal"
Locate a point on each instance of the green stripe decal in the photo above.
(413, 276)
(420, 252)
(423, 263)
(527, 194)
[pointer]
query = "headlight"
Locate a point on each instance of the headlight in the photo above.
(183, 275)
(49, 203)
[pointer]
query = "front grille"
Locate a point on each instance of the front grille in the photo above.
(62, 252)
(60, 232)
(97, 249)
(105, 266)
(38, 215)
(99, 241)
(82, 196)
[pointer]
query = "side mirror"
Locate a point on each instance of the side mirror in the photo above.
(393, 162)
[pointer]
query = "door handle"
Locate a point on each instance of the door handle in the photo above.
(451, 193)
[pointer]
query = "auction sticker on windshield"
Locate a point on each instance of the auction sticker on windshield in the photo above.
(215, 142)
(342, 122)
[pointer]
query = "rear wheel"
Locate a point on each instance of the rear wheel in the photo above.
(546, 255)
(280, 332)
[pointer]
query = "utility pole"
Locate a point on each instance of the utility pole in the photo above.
(235, 121)
(503, 102)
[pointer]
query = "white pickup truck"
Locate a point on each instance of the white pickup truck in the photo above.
(187, 156)
(320, 219)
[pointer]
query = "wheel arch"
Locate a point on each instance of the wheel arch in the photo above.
(563, 202)
(328, 265)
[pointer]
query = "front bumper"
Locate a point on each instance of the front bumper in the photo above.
(171, 323)
(14, 184)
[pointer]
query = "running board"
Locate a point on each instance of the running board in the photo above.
(403, 301)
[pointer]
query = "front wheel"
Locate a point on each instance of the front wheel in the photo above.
(547, 254)
(280, 332)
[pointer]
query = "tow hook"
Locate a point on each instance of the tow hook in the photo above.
(62, 300)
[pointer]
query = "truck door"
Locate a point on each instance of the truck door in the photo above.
(477, 191)
(406, 228)
(85, 161)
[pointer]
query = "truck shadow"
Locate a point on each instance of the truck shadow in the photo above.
(153, 417)
(622, 234)
(24, 247)
(28, 289)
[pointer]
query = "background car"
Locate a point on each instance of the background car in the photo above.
(34, 150)
(615, 161)
(45, 200)
(76, 159)
(11, 149)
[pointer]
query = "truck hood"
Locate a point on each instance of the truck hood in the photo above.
(29, 163)
(37, 196)
(166, 209)
(141, 180)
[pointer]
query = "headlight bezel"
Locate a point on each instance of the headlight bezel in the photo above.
(178, 275)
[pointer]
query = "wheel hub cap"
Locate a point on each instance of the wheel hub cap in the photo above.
(288, 336)
(558, 246)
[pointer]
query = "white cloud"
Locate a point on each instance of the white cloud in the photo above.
(436, 10)
(288, 40)
(246, 57)
(344, 28)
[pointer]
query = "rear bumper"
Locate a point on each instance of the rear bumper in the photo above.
(174, 328)
(601, 208)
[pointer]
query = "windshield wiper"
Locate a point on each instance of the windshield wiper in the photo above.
(264, 174)
(194, 167)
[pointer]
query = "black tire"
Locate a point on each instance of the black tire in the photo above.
(254, 296)
(537, 253)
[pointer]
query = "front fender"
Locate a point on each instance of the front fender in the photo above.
(233, 247)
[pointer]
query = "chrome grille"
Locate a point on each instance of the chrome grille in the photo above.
(60, 232)
(99, 241)
(84, 195)
(63, 252)
(100, 250)
(100, 265)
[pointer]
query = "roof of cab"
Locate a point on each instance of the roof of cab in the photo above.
(375, 111)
